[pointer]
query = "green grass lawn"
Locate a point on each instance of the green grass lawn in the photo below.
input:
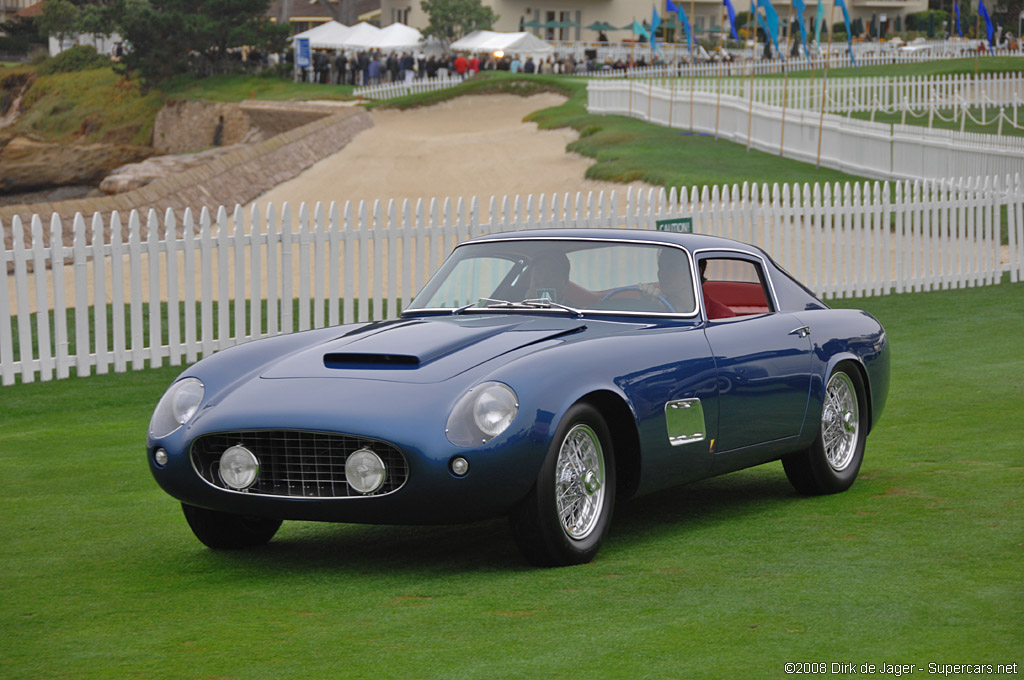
(918, 563)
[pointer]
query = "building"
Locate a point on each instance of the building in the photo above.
(705, 15)
(10, 8)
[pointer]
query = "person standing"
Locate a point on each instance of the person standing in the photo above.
(394, 68)
(341, 66)
(461, 65)
(408, 66)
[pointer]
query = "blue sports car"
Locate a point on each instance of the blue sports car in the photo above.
(540, 375)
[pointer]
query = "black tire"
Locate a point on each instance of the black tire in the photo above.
(224, 531)
(832, 462)
(537, 525)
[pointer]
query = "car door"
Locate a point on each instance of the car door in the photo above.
(762, 358)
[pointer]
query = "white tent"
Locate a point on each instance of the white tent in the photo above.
(328, 35)
(397, 36)
(510, 43)
(360, 36)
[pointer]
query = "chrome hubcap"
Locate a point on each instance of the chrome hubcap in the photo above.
(840, 421)
(579, 482)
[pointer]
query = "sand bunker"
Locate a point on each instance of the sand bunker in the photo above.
(469, 146)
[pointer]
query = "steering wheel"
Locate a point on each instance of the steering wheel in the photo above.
(615, 291)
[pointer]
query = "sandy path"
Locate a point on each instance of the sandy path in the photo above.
(469, 146)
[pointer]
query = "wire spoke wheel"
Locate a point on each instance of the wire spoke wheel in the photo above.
(564, 518)
(831, 463)
(840, 422)
(579, 482)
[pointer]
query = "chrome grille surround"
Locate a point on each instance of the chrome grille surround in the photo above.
(297, 463)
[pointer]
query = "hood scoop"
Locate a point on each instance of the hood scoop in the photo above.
(356, 360)
(420, 350)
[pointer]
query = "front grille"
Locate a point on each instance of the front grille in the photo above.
(297, 463)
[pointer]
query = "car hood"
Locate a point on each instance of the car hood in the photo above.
(421, 350)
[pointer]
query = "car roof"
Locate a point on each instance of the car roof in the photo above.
(692, 242)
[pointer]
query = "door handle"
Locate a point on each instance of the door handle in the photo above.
(801, 332)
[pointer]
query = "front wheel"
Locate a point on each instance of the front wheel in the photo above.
(565, 517)
(833, 461)
(222, 530)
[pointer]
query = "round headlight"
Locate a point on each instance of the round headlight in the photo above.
(365, 471)
(179, 403)
(494, 409)
(482, 414)
(239, 467)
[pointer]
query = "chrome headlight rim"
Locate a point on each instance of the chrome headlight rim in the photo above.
(484, 412)
(178, 405)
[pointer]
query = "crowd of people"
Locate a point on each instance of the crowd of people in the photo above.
(339, 67)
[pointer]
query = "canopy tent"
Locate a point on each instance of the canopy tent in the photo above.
(397, 36)
(328, 35)
(360, 36)
(490, 41)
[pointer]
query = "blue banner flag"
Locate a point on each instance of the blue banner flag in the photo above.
(988, 21)
(731, 11)
(956, 13)
(684, 20)
(841, 4)
(800, 8)
(655, 22)
(819, 19)
(640, 30)
(770, 23)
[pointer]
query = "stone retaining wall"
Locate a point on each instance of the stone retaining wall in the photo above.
(236, 178)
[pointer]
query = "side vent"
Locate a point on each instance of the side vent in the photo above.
(353, 360)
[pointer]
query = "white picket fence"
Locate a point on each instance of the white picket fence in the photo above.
(406, 87)
(986, 90)
(676, 62)
(877, 150)
(229, 279)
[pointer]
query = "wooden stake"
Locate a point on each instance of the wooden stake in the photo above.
(824, 83)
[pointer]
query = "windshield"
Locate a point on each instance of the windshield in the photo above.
(563, 275)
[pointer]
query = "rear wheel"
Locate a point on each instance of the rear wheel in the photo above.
(223, 530)
(565, 517)
(832, 462)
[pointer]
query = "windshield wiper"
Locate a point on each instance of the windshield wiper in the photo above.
(463, 308)
(545, 303)
(497, 303)
(538, 303)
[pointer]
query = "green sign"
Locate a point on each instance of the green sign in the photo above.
(683, 225)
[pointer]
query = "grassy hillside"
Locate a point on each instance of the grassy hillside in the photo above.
(99, 105)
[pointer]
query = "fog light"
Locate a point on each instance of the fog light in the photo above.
(365, 471)
(239, 467)
(459, 466)
(160, 457)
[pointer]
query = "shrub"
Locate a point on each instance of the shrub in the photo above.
(78, 58)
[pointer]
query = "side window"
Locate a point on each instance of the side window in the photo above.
(733, 287)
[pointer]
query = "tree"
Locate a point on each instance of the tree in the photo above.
(169, 37)
(58, 19)
(97, 20)
(452, 19)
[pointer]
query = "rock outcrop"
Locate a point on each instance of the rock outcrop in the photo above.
(137, 175)
(27, 164)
